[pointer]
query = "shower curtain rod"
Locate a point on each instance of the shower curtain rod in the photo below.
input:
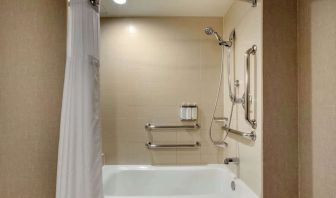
(96, 3)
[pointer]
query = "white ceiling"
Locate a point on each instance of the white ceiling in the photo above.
(210, 8)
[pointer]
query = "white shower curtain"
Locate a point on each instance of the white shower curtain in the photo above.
(79, 170)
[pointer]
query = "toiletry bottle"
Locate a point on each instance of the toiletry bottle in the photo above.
(183, 111)
(194, 112)
(189, 112)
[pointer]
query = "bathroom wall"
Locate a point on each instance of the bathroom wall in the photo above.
(247, 23)
(32, 54)
(280, 99)
(149, 66)
(317, 105)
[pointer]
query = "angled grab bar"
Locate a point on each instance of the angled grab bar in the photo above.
(150, 126)
(173, 146)
(251, 136)
(247, 106)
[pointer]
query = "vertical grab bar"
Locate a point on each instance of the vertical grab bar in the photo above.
(249, 52)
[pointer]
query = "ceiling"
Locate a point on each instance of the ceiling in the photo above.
(206, 8)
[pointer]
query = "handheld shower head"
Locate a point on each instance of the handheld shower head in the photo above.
(210, 31)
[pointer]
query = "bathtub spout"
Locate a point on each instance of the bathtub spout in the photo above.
(231, 160)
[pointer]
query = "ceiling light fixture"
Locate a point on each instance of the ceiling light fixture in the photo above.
(120, 1)
(132, 29)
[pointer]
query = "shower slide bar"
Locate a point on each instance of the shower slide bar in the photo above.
(247, 104)
(251, 136)
(150, 127)
(173, 146)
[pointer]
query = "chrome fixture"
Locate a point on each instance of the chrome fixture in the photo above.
(231, 160)
(221, 119)
(244, 100)
(253, 2)
(211, 31)
(228, 44)
(120, 2)
(221, 144)
(251, 136)
(151, 126)
(247, 105)
(232, 95)
(173, 146)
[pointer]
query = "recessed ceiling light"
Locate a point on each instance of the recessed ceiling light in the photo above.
(132, 29)
(120, 1)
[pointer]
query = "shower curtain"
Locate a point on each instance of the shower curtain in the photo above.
(79, 169)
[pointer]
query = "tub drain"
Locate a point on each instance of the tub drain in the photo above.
(233, 185)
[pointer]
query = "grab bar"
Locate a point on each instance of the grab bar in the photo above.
(221, 119)
(173, 146)
(150, 126)
(251, 136)
(249, 52)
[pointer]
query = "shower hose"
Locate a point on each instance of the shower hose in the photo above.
(221, 143)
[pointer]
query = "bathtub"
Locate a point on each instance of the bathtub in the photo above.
(209, 181)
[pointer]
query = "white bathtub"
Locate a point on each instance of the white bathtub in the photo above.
(210, 181)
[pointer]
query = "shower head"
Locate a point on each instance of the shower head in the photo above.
(210, 31)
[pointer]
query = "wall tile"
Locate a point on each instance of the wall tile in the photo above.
(247, 23)
(317, 69)
(280, 99)
(32, 54)
(145, 78)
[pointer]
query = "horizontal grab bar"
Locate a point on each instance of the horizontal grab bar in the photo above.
(252, 135)
(173, 146)
(221, 119)
(150, 126)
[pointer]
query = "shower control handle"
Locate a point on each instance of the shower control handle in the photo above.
(231, 160)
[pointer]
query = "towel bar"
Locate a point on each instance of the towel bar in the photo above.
(150, 126)
(173, 146)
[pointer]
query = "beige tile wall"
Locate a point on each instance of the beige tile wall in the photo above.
(32, 60)
(247, 22)
(317, 106)
(149, 67)
(280, 101)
